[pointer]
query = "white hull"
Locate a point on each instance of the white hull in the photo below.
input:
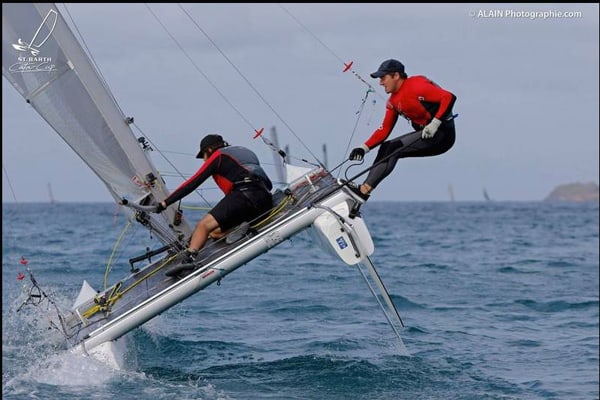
(207, 275)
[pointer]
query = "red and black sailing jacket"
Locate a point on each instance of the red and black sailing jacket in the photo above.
(232, 168)
(419, 100)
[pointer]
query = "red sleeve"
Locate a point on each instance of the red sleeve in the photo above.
(206, 170)
(381, 133)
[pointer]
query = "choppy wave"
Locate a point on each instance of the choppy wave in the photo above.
(500, 301)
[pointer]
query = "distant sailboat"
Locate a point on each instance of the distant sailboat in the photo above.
(486, 196)
(451, 192)
(50, 195)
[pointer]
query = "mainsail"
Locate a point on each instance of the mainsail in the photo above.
(46, 64)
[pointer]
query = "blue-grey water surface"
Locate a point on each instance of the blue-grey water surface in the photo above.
(499, 299)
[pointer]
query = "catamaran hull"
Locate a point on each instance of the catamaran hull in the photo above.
(215, 270)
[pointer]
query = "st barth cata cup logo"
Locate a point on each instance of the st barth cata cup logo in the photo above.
(32, 46)
(33, 62)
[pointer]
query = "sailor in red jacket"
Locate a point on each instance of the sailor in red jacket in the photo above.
(427, 106)
(237, 172)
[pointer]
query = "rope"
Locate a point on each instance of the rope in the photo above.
(106, 304)
(359, 113)
(114, 250)
(223, 96)
(273, 212)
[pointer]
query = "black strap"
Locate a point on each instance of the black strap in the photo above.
(249, 183)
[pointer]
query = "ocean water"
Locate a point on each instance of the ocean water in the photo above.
(499, 301)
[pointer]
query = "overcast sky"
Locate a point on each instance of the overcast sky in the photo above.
(526, 80)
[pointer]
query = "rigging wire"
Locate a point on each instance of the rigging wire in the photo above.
(199, 69)
(93, 60)
(161, 153)
(9, 232)
(34, 295)
(347, 66)
(105, 84)
(129, 120)
(395, 153)
(256, 91)
(258, 132)
(359, 113)
(112, 256)
(80, 38)
(106, 300)
(12, 190)
(113, 252)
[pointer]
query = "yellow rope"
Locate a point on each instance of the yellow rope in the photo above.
(114, 295)
(273, 212)
(110, 259)
(195, 208)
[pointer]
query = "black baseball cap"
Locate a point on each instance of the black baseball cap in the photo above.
(208, 141)
(387, 67)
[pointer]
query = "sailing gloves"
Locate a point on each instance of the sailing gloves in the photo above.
(159, 208)
(431, 128)
(358, 153)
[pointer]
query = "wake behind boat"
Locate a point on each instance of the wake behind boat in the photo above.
(46, 64)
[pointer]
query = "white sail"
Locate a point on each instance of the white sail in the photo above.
(46, 64)
(278, 160)
(294, 172)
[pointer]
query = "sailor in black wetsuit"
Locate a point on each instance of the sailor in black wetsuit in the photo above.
(237, 172)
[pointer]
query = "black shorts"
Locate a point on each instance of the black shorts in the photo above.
(239, 206)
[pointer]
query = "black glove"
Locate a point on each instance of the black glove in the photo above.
(357, 154)
(159, 208)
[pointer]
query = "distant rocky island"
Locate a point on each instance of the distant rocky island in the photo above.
(578, 192)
